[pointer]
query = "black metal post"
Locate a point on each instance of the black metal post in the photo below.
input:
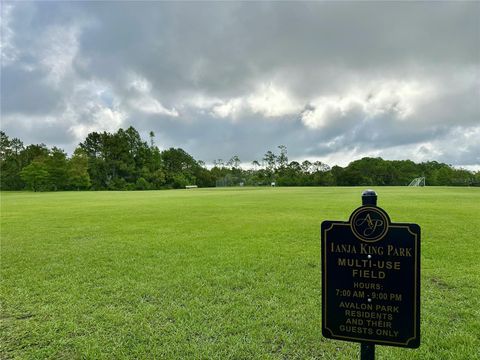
(369, 197)
(367, 351)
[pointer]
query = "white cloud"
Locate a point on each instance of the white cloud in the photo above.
(459, 146)
(59, 48)
(272, 101)
(325, 109)
(398, 99)
(150, 105)
(340, 158)
(139, 84)
(141, 98)
(100, 118)
(401, 98)
(267, 100)
(8, 52)
(200, 101)
(230, 108)
(90, 106)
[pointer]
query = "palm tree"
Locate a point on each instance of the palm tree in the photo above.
(152, 136)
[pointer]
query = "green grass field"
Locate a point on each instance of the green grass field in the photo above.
(215, 273)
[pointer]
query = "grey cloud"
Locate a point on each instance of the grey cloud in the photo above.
(227, 50)
(53, 132)
(27, 92)
(224, 48)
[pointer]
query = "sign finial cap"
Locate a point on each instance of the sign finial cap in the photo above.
(369, 197)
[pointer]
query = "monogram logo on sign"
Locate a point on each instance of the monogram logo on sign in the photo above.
(369, 224)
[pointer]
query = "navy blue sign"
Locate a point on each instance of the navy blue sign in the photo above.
(371, 279)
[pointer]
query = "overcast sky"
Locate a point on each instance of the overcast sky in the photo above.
(333, 81)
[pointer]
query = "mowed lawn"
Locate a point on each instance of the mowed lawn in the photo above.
(215, 273)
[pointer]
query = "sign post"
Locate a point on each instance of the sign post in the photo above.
(371, 279)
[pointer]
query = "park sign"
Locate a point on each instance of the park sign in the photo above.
(371, 279)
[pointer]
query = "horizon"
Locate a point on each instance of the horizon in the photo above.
(247, 165)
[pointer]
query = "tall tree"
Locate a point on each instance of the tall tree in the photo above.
(57, 167)
(218, 163)
(5, 145)
(10, 163)
(270, 159)
(306, 166)
(320, 166)
(282, 158)
(78, 177)
(234, 162)
(32, 152)
(94, 149)
(36, 175)
(179, 167)
(151, 134)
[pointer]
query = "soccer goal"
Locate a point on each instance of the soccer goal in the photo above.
(420, 181)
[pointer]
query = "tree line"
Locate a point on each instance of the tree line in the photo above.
(124, 161)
